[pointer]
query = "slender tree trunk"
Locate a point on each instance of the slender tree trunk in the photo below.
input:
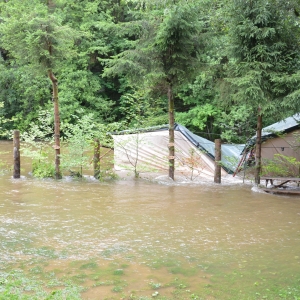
(56, 124)
(171, 132)
(258, 148)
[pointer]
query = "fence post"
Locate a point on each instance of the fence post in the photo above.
(258, 148)
(96, 158)
(217, 178)
(16, 152)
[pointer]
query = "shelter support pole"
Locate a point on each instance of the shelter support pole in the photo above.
(217, 177)
(96, 158)
(16, 151)
(258, 148)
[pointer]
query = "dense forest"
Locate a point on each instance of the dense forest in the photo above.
(117, 62)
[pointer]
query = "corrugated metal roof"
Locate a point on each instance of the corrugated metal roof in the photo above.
(283, 126)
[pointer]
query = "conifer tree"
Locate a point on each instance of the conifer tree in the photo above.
(34, 35)
(264, 41)
(165, 56)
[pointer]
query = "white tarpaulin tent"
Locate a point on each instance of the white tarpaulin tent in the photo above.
(143, 151)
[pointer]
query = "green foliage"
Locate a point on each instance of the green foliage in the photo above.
(115, 59)
(79, 143)
(43, 168)
(4, 133)
(79, 95)
(23, 93)
(140, 109)
(281, 166)
(237, 125)
(33, 35)
(166, 51)
(175, 42)
(263, 37)
(79, 139)
(199, 117)
(38, 141)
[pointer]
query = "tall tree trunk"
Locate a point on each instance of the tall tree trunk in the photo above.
(171, 132)
(258, 148)
(96, 158)
(56, 124)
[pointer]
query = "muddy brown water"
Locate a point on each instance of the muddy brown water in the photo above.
(134, 237)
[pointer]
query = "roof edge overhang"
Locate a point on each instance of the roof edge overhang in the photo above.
(268, 133)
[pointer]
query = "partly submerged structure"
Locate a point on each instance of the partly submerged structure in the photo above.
(146, 150)
(279, 138)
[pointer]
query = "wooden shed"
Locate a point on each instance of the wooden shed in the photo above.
(279, 138)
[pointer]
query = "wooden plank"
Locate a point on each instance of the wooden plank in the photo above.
(282, 191)
(281, 178)
(281, 184)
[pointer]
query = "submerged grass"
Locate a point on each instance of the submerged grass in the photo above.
(45, 277)
(16, 285)
(19, 285)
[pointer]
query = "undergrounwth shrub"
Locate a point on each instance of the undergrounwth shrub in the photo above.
(281, 165)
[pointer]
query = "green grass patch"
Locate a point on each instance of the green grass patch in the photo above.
(167, 262)
(117, 289)
(47, 252)
(89, 265)
(118, 272)
(254, 284)
(79, 278)
(16, 285)
(183, 271)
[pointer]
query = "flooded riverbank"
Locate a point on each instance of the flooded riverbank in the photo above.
(138, 239)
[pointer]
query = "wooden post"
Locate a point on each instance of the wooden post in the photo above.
(258, 148)
(218, 157)
(17, 160)
(96, 158)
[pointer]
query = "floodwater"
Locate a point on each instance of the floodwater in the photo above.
(122, 239)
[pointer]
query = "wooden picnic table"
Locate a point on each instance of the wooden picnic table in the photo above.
(283, 180)
(281, 188)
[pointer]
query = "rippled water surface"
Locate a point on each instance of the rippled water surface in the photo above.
(122, 238)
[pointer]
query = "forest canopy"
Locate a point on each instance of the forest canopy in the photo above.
(115, 60)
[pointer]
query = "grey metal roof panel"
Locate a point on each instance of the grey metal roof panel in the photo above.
(283, 125)
(230, 153)
(270, 131)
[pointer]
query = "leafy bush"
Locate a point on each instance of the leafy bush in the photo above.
(43, 169)
(281, 165)
(38, 141)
